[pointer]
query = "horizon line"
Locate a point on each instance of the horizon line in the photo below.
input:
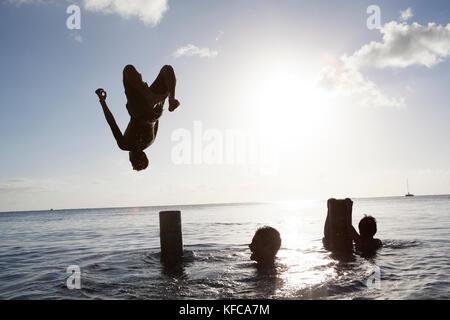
(214, 203)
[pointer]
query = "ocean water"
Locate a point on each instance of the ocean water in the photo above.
(117, 251)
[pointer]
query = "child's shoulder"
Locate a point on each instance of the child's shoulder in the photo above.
(368, 245)
(378, 243)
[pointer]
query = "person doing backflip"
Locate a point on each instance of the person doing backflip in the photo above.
(145, 106)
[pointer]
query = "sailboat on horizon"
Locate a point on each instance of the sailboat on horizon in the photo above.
(407, 188)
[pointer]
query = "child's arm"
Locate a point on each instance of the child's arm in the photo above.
(325, 228)
(353, 234)
(326, 237)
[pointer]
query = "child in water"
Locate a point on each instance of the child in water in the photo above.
(265, 244)
(364, 241)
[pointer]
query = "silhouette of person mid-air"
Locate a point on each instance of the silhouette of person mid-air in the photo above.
(145, 106)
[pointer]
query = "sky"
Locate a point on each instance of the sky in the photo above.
(280, 100)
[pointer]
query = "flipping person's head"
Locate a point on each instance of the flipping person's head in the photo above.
(139, 160)
(367, 227)
(265, 244)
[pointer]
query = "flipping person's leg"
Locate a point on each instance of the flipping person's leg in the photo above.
(135, 91)
(165, 83)
(132, 81)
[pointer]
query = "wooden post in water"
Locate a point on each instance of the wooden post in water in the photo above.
(339, 220)
(171, 237)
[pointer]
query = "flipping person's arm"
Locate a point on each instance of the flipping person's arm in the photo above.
(110, 119)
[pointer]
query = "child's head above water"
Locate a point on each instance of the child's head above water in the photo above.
(265, 244)
(367, 227)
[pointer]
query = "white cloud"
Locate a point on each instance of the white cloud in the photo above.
(192, 50)
(406, 15)
(403, 45)
(20, 2)
(149, 11)
(350, 83)
(28, 185)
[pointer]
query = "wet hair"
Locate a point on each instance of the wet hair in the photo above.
(269, 240)
(367, 226)
(138, 160)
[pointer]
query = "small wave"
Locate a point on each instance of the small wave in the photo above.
(155, 257)
(201, 245)
(401, 244)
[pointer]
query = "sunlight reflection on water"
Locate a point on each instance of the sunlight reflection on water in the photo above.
(118, 252)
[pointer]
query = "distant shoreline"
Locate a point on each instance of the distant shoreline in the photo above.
(217, 204)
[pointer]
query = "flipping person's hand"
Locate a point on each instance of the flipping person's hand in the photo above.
(101, 94)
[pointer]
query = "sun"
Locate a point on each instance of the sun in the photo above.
(287, 104)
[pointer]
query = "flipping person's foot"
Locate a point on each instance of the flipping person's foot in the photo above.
(173, 104)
